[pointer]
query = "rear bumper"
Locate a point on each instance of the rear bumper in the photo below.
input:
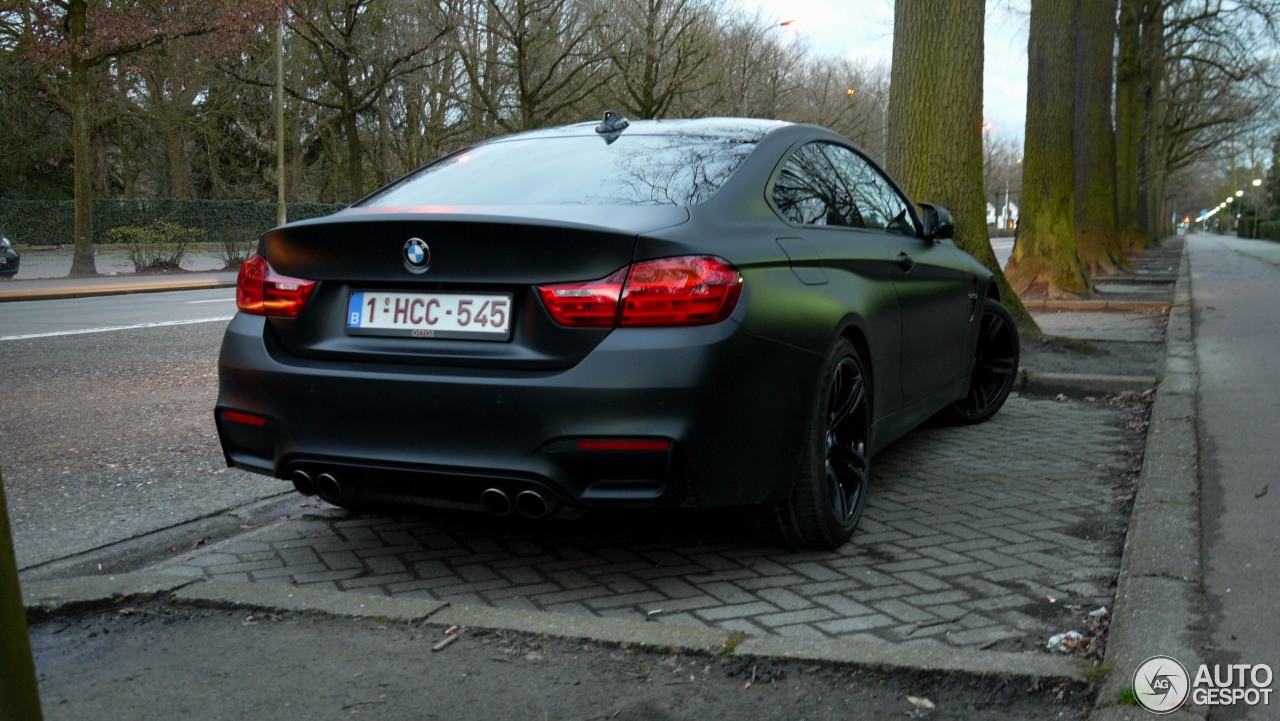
(730, 407)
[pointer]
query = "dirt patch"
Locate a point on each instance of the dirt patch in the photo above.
(161, 661)
(1059, 354)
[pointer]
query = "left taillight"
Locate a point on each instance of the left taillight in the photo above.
(262, 291)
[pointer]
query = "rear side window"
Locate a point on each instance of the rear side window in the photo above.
(809, 191)
(827, 184)
(577, 170)
(879, 205)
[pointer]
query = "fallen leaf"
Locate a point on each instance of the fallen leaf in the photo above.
(921, 702)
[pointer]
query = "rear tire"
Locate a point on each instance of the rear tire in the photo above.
(995, 368)
(831, 490)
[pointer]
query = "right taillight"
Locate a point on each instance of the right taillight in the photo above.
(688, 290)
(262, 291)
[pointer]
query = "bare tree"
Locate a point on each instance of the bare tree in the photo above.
(359, 47)
(1002, 175)
(660, 51)
(529, 62)
(1191, 75)
(80, 36)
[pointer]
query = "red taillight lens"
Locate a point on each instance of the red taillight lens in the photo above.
(585, 305)
(262, 291)
(693, 290)
(689, 290)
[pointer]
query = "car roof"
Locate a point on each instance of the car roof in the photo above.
(746, 130)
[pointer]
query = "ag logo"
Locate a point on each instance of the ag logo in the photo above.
(1161, 684)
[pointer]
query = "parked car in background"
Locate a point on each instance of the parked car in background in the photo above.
(9, 258)
(659, 314)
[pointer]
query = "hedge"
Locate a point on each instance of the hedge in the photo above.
(49, 222)
(1269, 230)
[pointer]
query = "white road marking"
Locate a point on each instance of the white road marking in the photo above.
(215, 300)
(114, 327)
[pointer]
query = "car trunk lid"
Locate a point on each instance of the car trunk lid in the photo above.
(480, 252)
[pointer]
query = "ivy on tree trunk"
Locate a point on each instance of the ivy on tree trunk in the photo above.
(1044, 261)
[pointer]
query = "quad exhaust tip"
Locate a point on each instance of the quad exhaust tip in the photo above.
(303, 483)
(530, 504)
(328, 487)
(496, 501)
(533, 505)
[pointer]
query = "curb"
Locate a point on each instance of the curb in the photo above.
(1160, 605)
(1077, 385)
(118, 556)
(85, 290)
(50, 598)
(1099, 305)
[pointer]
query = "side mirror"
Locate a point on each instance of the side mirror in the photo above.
(938, 223)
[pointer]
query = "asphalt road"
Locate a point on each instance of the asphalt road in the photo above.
(81, 315)
(109, 434)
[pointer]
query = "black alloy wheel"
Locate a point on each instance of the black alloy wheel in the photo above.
(846, 463)
(995, 367)
(831, 491)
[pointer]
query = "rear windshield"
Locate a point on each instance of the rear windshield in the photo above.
(577, 170)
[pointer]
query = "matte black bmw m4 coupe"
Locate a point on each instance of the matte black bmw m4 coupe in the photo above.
(655, 314)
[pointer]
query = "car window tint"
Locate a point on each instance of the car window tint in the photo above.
(880, 205)
(671, 169)
(809, 191)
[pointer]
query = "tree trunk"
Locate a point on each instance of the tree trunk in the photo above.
(355, 163)
(937, 156)
(1044, 261)
(82, 142)
(1095, 142)
(179, 157)
(1128, 123)
(19, 691)
(1150, 165)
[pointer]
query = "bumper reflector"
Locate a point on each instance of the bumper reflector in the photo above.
(624, 445)
(244, 418)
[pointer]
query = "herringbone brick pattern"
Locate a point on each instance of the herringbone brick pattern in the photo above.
(980, 536)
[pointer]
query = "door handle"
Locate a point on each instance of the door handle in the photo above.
(905, 262)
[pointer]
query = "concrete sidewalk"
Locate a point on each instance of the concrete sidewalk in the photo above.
(43, 276)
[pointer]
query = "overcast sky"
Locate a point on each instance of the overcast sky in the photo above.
(864, 29)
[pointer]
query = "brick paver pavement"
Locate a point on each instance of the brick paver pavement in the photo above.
(995, 535)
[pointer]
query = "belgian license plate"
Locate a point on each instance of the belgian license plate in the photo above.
(472, 316)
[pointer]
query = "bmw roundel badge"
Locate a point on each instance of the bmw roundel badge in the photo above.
(417, 256)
